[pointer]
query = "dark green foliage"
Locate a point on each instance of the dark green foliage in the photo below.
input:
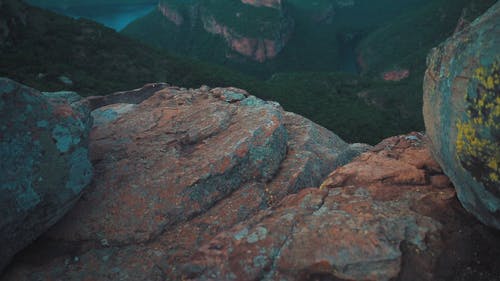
(365, 109)
(60, 3)
(405, 41)
(355, 108)
(96, 58)
(321, 31)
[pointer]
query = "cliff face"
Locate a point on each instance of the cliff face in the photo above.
(240, 25)
(259, 49)
(263, 3)
(265, 37)
(171, 14)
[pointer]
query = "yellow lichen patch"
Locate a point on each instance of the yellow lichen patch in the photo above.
(477, 143)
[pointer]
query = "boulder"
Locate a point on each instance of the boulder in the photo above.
(462, 113)
(44, 163)
(172, 171)
(380, 217)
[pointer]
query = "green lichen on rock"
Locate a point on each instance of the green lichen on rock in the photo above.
(478, 138)
(462, 114)
(44, 162)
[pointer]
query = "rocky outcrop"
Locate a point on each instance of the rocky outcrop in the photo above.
(44, 161)
(173, 171)
(396, 75)
(210, 184)
(171, 14)
(462, 113)
(389, 215)
(259, 49)
(263, 3)
(260, 40)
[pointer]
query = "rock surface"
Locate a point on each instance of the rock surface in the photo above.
(389, 215)
(44, 162)
(263, 3)
(462, 113)
(173, 171)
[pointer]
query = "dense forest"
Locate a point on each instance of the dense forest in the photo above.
(335, 67)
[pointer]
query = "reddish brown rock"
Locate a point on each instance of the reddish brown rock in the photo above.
(396, 75)
(235, 25)
(263, 3)
(377, 218)
(171, 14)
(256, 48)
(172, 172)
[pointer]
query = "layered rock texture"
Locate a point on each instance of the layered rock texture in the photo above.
(389, 215)
(174, 168)
(44, 161)
(212, 184)
(265, 3)
(462, 113)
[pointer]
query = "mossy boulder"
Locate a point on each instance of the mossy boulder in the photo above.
(44, 163)
(462, 113)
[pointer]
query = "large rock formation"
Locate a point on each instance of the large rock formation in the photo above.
(258, 30)
(462, 113)
(389, 215)
(173, 169)
(209, 185)
(263, 3)
(44, 161)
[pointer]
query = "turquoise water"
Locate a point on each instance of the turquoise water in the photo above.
(113, 16)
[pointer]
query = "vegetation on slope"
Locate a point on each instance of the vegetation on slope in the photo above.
(405, 41)
(44, 46)
(97, 59)
(322, 30)
(63, 3)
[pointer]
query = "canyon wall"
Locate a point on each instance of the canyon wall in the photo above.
(240, 27)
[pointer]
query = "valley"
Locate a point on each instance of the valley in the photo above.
(326, 60)
(116, 15)
(249, 140)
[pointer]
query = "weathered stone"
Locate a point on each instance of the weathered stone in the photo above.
(361, 225)
(462, 113)
(265, 3)
(173, 171)
(44, 162)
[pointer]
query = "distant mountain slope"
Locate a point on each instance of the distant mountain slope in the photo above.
(45, 50)
(112, 13)
(405, 41)
(62, 3)
(302, 35)
(37, 47)
(217, 30)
